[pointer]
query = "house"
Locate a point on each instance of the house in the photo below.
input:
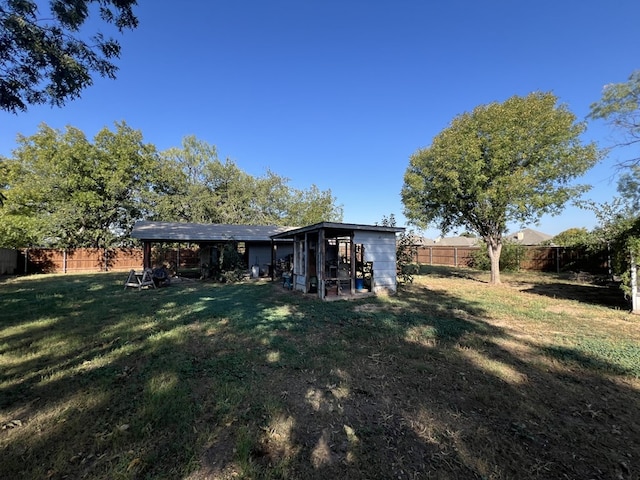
(254, 241)
(528, 236)
(460, 241)
(340, 259)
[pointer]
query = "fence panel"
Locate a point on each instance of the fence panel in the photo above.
(83, 260)
(46, 260)
(445, 255)
(8, 261)
(541, 259)
(124, 259)
(545, 259)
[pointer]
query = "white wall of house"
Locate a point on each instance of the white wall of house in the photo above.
(260, 254)
(380, 248)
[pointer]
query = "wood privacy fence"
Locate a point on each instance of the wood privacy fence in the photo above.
(8, 261)
(45, 260)
(544, 259)
(41, 260)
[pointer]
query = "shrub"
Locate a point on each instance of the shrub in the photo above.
(512, 254)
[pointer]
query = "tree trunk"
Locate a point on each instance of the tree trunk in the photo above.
(494, 247)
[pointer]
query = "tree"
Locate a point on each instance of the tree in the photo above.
(620, 106)
(312, 205)
(43, 56)
(66, 191)
(503, 162)
(572, 237)
(196, 186)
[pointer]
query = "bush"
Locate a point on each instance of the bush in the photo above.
(512, 254)
(232, 266)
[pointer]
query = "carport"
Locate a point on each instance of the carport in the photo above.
(255, 240)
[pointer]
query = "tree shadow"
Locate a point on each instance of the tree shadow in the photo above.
(607, 296)
(211, 381)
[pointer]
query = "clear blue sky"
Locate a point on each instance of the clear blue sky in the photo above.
(341, 92)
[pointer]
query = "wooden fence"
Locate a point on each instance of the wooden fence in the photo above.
(45, 260)
(545, 259)
(551, 259)
(8, 261)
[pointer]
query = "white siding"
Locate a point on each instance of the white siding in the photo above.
(380, 248)
(259, 255)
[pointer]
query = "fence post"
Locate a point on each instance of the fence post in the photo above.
(64, 260)
(635, 308)
(557, 259)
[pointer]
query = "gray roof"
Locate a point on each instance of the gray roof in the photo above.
(528, 236)
(337, 227)
(204, 232)
(457, 241)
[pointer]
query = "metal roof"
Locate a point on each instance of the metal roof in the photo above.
(336, 227)
(203, 232)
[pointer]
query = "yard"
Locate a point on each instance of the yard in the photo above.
(449, 379)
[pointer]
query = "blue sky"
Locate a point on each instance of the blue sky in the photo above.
(341, 93)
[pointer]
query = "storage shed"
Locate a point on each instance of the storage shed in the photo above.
(341, 259)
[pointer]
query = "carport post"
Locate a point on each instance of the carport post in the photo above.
(146, 254)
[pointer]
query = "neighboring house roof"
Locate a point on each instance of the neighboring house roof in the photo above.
(337, 227)
(204, 232)
(529, 236)
(457, 242)
(422, 241)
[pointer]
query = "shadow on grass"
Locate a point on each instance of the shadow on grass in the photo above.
(207, 381)
(606, 296)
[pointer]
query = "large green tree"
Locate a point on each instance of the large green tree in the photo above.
(194, 185)
(64, 190)
(503, 162)
(44, 55)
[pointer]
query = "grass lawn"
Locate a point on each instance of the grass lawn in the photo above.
(449, 379)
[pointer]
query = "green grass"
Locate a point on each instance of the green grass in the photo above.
(451, 378)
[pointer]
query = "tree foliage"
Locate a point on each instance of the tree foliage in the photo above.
(512, 254)
(572, 237)
(44, 56)
(620, 106)
(196, 186)
(65, 190)
(617, 230)
(503, 162)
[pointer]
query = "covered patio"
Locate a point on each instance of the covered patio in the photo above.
(254, 241)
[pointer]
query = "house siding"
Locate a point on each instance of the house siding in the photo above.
(380, 248)
(260, 254)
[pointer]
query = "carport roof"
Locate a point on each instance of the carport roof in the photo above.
(204, 232)
(340, 228)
